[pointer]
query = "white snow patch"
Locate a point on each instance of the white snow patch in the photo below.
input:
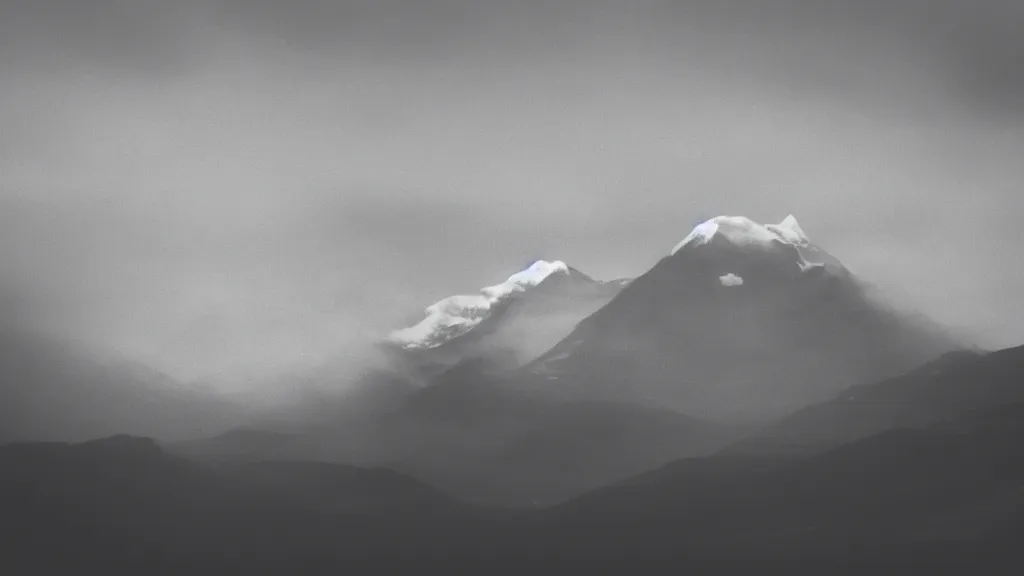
(744, 231)
(805, 265)
(459, 314)
(701, 234)
(731, 279)
(530, 277)
(790, 231)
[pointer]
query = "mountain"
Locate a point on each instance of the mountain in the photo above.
(486, 441)
(491, 443)
(574, 448)
(475, 434)
(250, 445)
(125, 505)
(740, 322)
(340, 488)
(513, 321)
(956, 485)
(910, 500)
(52, 390)
(938, 391)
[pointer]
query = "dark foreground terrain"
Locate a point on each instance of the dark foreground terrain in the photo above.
(918, 474)
(947, 497)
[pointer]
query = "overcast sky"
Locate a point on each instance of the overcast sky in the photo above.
(226, 188)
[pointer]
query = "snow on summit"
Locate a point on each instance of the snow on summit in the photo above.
(456, 315)
(532, 276)
(743, 231)
(790, 231)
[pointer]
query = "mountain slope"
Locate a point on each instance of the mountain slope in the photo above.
(577, 447)
(486, 441)
(941, 390)
(479, 436)
(740, 322)
(955, 485)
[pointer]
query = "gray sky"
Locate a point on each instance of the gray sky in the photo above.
(226, 188)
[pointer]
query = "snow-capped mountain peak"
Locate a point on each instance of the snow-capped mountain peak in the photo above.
(743, 231)
(456, 315)
(744, 321)
(532, 276)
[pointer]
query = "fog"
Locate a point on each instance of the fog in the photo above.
(230, 190)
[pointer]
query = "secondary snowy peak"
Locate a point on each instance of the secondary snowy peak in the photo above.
(532, 276)
(456, 315)
(743, 231)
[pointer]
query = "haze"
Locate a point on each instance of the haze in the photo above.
(230, 189)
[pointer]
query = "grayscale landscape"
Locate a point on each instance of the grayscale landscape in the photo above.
(375, 286)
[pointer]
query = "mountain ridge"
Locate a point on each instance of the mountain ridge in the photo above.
(515, 320)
